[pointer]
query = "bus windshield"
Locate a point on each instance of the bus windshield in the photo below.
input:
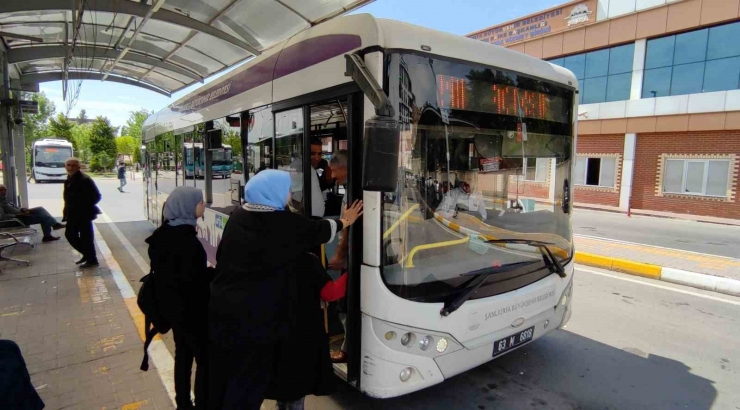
(52, 156)
(485, 154)
(222, 157)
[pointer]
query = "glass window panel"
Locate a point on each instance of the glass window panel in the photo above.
(687, 78)
(621, 59)
(289, 151)
(723, 41)
(673, 178)
(690, 47)
(618, 87)
(259, 141)
(542, 169)
(720, 75)
(657, 83)
(576, 64)
(608, 170)
(530, 169)
(695, 177)
(557, 61)
(660, 52)
(717, 179)
(580, 173)
(580, 91)
(595, 90)
(597, 63)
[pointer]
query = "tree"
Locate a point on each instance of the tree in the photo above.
(126, 145)
(61, 127)
(231, 137)
(101, 162)
(133, 128)
(35, 126)
(81, 137)
(82, 117)
(102, 137)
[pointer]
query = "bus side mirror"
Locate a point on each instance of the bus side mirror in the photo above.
(380, 154)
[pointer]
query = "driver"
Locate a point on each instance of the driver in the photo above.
(461, 195)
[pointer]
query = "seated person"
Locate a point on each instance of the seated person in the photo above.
(461, 196)
(29, 216)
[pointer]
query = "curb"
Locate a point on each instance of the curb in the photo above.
(697, 280)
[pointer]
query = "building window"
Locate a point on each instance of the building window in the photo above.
(536, 169)
(698, 61)
(696, 177)
(603, 75)
(595, 171)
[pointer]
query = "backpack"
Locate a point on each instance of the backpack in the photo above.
(154, 322)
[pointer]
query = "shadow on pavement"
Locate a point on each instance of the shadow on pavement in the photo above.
(561, 371)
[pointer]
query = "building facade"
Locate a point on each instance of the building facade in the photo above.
(659, 114)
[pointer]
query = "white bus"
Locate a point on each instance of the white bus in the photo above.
(465, 251)
(47, 159)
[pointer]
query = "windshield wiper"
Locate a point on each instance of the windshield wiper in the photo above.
(552, 263)
(478, 277)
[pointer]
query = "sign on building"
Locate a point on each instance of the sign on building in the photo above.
(29, 107)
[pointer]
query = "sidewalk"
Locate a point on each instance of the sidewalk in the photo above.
(717, 273)
(79, 341)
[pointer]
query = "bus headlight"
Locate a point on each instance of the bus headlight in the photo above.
(407, 338)
(390, 335)
(406, 374)
(425, 342)
(441, 345)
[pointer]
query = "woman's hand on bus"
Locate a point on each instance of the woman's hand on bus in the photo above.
(351, 214)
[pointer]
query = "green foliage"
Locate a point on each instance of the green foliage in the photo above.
(61, 127)
(81, 139)
(82, 116)
(101, 162)
(102, 138)
(35, 126)
(126, 145)
(133, 128)
(231, 137)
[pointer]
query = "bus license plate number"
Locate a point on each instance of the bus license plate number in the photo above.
(510, 342)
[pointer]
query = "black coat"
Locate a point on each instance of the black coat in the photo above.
(265, 301)
(182, 277)
(81, 197)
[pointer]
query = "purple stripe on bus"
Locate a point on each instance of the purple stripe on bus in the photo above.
(313, 51)
(290, 60)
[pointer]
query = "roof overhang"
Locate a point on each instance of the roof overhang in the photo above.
(159, 45)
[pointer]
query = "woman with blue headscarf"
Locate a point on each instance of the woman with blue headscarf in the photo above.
(180, 272)
(266, 330)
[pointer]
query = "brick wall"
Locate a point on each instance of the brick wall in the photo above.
(646, 182)
(600, 144)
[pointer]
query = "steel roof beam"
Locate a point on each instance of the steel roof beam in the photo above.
(133, 9)
(27, 79)
(25, 54)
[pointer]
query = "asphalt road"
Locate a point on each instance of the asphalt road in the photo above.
(631, 343)
(715, 239)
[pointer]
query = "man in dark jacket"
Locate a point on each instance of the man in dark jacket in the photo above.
(81, 197)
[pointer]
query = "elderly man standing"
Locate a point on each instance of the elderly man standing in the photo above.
(81, 197)
(32, 216)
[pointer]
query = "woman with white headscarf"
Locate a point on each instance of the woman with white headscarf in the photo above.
(266, 330)
(179, 266)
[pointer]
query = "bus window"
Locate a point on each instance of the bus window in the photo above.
(289, 152)
(259, 141)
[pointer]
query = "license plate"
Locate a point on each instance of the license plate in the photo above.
(510, 342)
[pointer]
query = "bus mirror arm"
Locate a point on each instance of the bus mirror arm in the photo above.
(368, 84)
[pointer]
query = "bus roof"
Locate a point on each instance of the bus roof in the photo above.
(53, 142)
(313, 60)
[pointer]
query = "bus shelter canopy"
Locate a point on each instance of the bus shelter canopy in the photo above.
(160, 45)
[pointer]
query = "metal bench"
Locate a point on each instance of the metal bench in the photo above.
(13, 232)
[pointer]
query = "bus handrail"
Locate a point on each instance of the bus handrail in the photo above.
(399, 220)
(410, 259)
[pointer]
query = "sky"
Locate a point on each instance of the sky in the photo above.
(116, 101)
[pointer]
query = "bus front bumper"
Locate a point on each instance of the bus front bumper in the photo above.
(382, 367)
